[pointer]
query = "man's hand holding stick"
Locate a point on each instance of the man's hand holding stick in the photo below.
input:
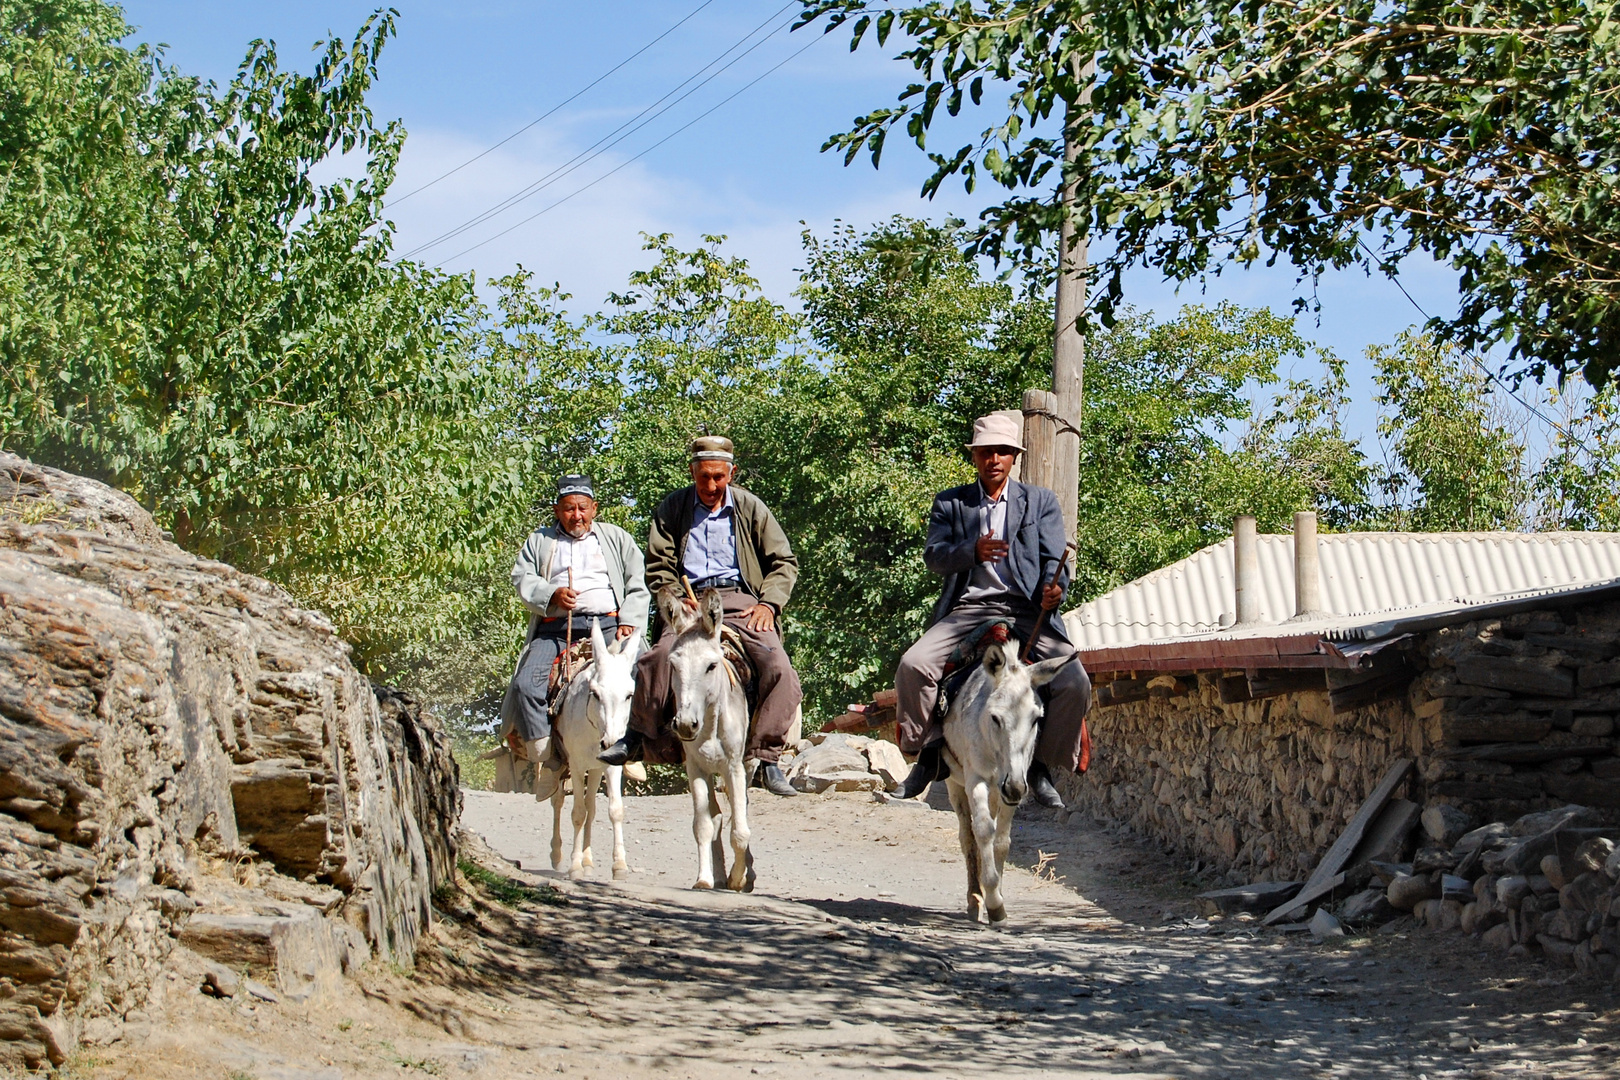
(1051, 596)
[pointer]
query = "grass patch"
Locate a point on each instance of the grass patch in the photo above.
(510, 892)
(661, 780)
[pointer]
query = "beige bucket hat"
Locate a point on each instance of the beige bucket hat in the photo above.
(997, 430)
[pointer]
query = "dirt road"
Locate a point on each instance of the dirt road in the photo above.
(853, 959)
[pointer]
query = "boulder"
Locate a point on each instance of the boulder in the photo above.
(1547, 820)
(1367, 906)
(1324, 926)
(836, 763)
(887, 762)
(1406, 892)
(1594, 854)
(157, 707)
(1498, 937)
(1445, 824)
(1511, 890)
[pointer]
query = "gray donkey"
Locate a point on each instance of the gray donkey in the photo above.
(990, 735)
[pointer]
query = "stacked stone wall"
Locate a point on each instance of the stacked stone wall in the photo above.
(1503, 716)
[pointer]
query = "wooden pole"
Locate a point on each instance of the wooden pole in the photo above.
(1068, 347)
(1040, 432)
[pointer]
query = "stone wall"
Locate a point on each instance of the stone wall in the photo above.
(180, 742)
(1503, 716)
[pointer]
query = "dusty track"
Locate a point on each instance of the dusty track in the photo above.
(853, 960)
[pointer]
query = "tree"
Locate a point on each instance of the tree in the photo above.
(1483, 134)
(193, 318)
(1458, 463)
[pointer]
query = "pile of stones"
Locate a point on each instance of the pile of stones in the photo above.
(1544, 885)
(835, 761)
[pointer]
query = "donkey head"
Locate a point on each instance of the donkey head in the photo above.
(1008, 717)
(612, 681)
(697, 666)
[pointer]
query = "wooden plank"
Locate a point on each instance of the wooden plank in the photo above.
(1234, 689)
(1339, 854)
(1370, 691)
(1272, 682)
(1308, 895)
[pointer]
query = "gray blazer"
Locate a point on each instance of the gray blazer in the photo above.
(1035, 539)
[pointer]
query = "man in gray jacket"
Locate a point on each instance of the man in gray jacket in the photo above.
(568, 575)
(995, 542)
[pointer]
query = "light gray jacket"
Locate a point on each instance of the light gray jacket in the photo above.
(626, 573)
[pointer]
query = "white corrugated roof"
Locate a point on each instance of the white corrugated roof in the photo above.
(1362, 574)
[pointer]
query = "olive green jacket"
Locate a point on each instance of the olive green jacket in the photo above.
(769, 567)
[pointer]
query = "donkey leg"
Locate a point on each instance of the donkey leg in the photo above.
(718, 842)
(593, 781)
(984, 835)
(581, 808)
(615, 787)
(557, 798)
(702, 829)
(970, 847)
(737, 880)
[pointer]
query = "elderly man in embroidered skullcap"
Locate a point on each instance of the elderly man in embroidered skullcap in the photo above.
(569, 574)
(719, 536)
(995, 542)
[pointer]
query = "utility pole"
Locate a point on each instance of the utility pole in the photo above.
(1068, 346)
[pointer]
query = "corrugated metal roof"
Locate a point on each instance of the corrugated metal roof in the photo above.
(1363, 574)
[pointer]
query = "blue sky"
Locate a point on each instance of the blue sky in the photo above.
(464, 76)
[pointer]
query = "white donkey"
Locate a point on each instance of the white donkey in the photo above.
(990, 735)
(591, 717)
(711, 720)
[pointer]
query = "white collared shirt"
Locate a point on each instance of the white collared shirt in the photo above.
(579, 565)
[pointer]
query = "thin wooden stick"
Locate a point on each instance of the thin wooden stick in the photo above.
(568, 631)
(1040, 621)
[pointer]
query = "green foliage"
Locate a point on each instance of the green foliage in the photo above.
(1578, 485)
(1460, 465)
(191, 317)
(1162, 473)
(1484, 134)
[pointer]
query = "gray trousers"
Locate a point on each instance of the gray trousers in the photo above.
(524, 707)
(916, 683)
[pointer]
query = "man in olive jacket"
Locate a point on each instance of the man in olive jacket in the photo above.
(719, 536)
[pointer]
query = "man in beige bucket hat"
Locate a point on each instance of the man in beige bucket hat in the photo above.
(995, 542)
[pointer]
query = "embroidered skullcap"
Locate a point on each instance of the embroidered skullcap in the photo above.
(575, 484)
(711, 448)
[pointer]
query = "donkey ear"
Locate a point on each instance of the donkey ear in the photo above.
(675, 614)
(995, 660)
(598, 643)
(627, 645)
(714, 613)
(1044, 672)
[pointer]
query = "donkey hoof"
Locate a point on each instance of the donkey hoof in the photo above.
(996, 914)
(621, 873)
(737, 882)
(704, 885)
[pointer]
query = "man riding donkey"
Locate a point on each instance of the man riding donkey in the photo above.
(569, 575)
(1000, 546)
(716, 535)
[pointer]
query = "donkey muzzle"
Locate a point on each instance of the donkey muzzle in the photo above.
(685, 731)
(1013, 791)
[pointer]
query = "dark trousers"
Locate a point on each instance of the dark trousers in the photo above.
(916, 683)
(779, 692)
(524, 707)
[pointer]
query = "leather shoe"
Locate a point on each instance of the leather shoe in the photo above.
(772, 780)
(930, 767)
(1041, 788)
(623, 750)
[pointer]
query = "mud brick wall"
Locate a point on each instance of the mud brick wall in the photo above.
(1503, 716)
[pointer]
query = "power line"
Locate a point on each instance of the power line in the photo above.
(635, 124)
(591, 85)
(1477, 362)
(757, 79)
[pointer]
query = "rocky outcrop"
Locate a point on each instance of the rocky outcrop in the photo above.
(182, 745)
